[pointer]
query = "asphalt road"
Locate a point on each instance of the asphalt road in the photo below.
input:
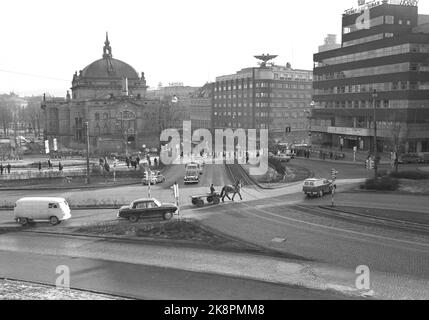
(147, 282)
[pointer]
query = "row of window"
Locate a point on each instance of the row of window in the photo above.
(370, 87)
(374, 37)
(378, 53)
(292, 115)
(238, 125)
(262, 105)
(293, 95)
(263, 85)
(372, 71)
(393, 104)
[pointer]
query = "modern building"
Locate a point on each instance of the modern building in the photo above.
(201, 107)
(381, 69)
(110, 96)
(269, 97)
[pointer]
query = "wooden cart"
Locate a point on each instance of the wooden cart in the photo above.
(199, 201)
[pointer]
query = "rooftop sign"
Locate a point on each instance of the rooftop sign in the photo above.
(366, 5)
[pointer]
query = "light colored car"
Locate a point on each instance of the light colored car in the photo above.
(53, 210)
(283, 157)
(317, 187)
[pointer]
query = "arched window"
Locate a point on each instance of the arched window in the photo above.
(97, 116)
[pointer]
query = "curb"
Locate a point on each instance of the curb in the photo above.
(27, 188)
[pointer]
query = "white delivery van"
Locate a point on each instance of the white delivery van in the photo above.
(49, 209)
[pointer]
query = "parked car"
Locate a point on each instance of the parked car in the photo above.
(410, 158)
(283, 157)
(53, 210)
(147, 208)
(317, 187)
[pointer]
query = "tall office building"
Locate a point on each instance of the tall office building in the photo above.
(269, 97)
(381, 69)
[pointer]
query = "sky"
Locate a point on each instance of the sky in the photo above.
(44, 42)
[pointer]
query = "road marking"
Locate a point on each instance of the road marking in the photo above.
(278, 240)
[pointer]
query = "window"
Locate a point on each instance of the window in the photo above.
(389, 20)
(53, 206)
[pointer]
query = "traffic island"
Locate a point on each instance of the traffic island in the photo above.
(176, 231)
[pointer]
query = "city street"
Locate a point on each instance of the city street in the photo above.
(284, 220)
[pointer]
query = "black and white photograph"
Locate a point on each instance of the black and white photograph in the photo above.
(214, 157)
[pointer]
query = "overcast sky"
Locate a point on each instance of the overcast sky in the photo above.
(189, 41)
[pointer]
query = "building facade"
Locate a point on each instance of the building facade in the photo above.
(177, 100)
(381, 70)
(201, 107)
(267, 97)
(110, 96)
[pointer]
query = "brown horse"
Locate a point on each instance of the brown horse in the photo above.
(227, 190)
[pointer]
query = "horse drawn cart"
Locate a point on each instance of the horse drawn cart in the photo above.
(210, 198)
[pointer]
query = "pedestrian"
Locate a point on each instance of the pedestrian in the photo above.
(8, 168)
(149, 162)
(331, 155)
(49, 163)
(40, 166)
(60, 166)
(1, 168)
(156, 162)
(127, 161)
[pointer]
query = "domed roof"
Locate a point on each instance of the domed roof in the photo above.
(107, 67)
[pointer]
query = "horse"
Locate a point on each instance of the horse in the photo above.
(227, 190)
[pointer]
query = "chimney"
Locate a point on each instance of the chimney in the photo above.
(125, 86)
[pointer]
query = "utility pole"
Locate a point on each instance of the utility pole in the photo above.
(87, 153)
(374, 97)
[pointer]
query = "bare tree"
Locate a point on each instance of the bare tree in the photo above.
(399, 134)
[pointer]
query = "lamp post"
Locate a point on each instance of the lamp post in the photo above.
(87, 152)
(374, 97)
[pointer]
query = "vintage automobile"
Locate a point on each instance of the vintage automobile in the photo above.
(147, 208)
(317, 187)
(410, 158)
(283, 157)
(156, 177)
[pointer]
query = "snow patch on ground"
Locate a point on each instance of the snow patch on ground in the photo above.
(18, 290)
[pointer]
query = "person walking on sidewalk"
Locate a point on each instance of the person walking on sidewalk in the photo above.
(8, 168)
(1, 168)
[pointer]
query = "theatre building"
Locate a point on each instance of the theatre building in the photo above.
(109, 98)
(381, 72)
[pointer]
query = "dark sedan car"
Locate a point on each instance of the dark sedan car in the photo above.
(147, 208)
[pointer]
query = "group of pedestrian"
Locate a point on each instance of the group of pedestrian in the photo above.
(5, 169)
(302, 153)
(129, 161)
(50, 165)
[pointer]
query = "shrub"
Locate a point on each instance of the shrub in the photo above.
(412, 175)
(381, 184)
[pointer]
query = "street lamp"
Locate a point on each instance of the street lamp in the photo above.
(87, 152)
(374, 97)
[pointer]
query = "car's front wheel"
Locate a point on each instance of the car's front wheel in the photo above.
(54, 220)
(23, 221)
(133, 218)
(167, 216)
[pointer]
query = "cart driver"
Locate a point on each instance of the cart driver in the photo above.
(212, 189)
